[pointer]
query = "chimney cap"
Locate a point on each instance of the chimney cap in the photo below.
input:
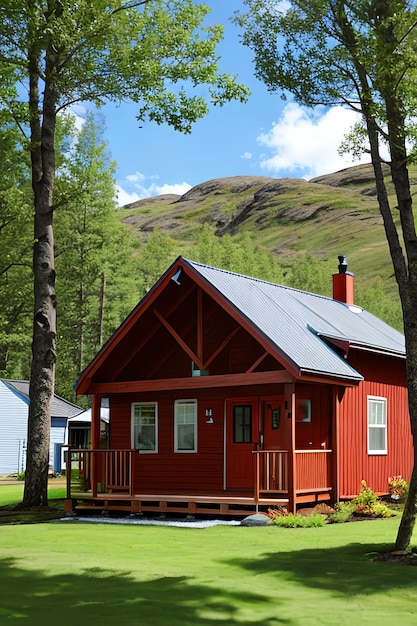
(343, 265)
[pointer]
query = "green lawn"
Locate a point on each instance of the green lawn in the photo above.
(74, 573)
(11, 494)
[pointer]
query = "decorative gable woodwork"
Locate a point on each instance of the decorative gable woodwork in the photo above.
(182, 330)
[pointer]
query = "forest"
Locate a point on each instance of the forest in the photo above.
(104, 266)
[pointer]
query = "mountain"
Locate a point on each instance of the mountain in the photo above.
(324, 217)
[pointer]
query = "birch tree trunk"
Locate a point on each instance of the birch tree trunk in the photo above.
(44, 322)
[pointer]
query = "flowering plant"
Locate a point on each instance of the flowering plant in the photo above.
(397, 485)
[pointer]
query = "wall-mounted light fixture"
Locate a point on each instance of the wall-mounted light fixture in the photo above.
(176, 277)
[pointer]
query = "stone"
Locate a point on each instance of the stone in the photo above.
(257, 519)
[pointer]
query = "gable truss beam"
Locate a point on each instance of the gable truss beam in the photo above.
(178, 339)
(221, 347)
(257, 362)
(137, 347)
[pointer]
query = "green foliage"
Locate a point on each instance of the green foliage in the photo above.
(360, 55)
(96, 284)
(299, 521)
(152, 53)
(310, 274)
(15, 255)
(378, 300)
(237, 254)
(398, 487)
(367, 503)
(343, 512)
(154, 257)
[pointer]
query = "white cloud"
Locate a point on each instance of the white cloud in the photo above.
(123, 197)
(283, 6)
(308, 141)
(137, 187)
(178, 189)
(79, 113)
(246, 155)
(135, 178)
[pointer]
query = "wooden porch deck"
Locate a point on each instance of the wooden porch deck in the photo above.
(186, 504)
(101, 480)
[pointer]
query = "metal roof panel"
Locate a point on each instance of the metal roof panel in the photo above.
(298, 322)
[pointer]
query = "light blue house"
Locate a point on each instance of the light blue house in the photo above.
(14, 410)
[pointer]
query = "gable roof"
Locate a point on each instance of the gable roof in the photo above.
(59, 406)
(303, 330)
(302, 324)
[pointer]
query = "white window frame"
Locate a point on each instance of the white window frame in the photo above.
(382, 402)
(133, 418)
(178, 423)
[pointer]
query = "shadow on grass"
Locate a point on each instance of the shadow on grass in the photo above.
(343, 571)
(99, 597)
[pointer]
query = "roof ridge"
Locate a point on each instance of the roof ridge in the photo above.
(261, 280)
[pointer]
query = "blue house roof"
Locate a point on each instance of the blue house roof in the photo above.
(59, 406)
(304, 328)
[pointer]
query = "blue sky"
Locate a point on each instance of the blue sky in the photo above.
(264, 137)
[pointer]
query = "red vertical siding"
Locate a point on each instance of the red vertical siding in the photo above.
(168, 471)
(385, 377)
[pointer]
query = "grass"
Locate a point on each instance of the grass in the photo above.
(12, 494)
(101, 574)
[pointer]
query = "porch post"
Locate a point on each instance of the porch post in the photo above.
(292, 466)
(95, 422)
(95, 441)
(336, 397)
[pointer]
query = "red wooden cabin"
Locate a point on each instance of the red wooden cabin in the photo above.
(229, 394)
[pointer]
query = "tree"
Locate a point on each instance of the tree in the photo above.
(236, 254)
(359, 54)
(96, 284)
(15, 260)
(54, 53)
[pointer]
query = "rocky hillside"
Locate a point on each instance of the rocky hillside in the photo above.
(326, 216)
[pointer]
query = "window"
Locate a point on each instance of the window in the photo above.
(185, 426)
(377, 425)
(145, 427)
(242, 424)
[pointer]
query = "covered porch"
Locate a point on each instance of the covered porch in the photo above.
(103, 480)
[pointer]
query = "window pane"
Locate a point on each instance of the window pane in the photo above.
(186, 426)
(377, 439)
(185, 437)
(377, 425)
(242, 424)
(376, 413)
(144, 427)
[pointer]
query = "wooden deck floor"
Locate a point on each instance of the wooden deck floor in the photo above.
(187, 504)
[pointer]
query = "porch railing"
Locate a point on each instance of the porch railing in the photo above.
(312, 471)
(99, 471)
(111, 471)
(271, 472)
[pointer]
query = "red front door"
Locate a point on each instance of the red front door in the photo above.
(241, 439)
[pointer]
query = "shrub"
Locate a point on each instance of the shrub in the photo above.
(342, 513)
(398, 487)
(382, 510)
(368, 503)
(299, 521)
(366, 499)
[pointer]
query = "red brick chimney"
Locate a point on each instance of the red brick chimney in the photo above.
(343, 283)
